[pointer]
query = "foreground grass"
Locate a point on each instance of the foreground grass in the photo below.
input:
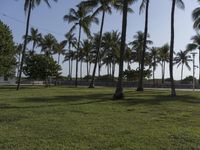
(82, 119)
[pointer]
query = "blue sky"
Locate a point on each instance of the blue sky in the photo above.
(159, 23)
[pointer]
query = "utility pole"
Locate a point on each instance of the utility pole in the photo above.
(194, 66)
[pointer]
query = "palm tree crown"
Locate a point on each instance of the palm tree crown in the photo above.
(34, 37)
(182, 58)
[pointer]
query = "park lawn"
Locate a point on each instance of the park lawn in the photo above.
(61, 118)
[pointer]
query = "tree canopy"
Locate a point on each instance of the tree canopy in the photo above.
(7, 51)
(40, 66)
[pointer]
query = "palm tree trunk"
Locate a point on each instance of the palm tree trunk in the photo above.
(153, 75)
(71, 69)
(69, 47)
(119, 89)
(173, 91)
(81, 68)
(99, 69)
(97, 52)
(59, 58)
(113, 71)
(199, 66)
(33, 50)
(79, 38)
(87, 68)
(164, 72)
(24, 46)
(108, 70)
(182, 72)
(140, 84)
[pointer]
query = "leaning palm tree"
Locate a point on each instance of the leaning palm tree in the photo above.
(195, 45)
(119, 89)
(82, 18)
(103, 6)
(28, 6)
(182, 58)
(19, 49)
(181, 5)
(35, 38)
(144, 5)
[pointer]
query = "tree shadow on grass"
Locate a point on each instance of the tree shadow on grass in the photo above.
(159, 99)
(146, 99)
(78, 99)
(9, 106)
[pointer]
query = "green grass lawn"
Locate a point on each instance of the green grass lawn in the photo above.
(88, 119)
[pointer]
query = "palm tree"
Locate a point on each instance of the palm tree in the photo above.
(103, 6)
(70, 56)
(34, 37)
(72, 42)
(182, 58)
(145, 4)
(28, 6)
(180, 4)
(196, 17)
(59, 48)
(83, 19)
(137, 46)
(154, 60)
(195, 45)
(47, 44)
(110, 45)
(19, 49)
(163, 57)
(86, 48)
(119, 89)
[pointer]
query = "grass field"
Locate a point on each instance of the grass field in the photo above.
(61, 118)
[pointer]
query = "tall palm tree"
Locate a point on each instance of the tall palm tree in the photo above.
(154, 60)
(86, 48)
(82, 18)
(145, 4)
(137, 46)
(59, 48)
(71, 40)
(47, 44)
(34, 37)
(163, 57)
(70, 56)
(110, 45)
(181, 5)
(119, 89)
(28, 6)
(195, 45)
(101, 6)
(19, 49)
(182, 58)
(196, 17)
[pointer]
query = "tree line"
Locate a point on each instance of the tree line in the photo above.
(86, 13)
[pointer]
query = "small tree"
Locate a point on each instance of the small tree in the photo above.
(7, 51)
(39, 67)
